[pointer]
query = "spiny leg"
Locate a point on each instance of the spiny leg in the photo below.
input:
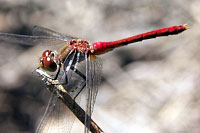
(79, 73)
(84, 77)
(57, 72)
(77, 61)
(68, 65)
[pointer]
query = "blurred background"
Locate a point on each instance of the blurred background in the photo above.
(148, 87)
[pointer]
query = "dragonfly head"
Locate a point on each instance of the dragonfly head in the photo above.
(46, 62)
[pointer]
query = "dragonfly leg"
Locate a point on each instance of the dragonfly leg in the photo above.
(68, 65)
(81, 75)
(57, 72)
(78, 72)
(78, 94)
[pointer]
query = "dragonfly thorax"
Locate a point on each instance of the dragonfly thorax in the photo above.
(80, 46)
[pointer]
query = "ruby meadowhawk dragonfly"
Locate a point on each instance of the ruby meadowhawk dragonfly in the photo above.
(75, 64)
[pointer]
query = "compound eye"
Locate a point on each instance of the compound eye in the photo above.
(46, 53)
(47, 62)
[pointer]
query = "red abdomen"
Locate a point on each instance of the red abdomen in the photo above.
(103, 47)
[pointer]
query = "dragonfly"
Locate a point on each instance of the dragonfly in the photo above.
(76, 64)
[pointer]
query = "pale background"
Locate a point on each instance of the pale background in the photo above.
(148, 87)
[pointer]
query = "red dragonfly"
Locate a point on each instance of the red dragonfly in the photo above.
(76, 64)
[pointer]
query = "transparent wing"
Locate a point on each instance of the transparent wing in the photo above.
(41, 31)
(95, 71)
(32, 40)
(57, 118)
(93, 78)
(48, 110)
